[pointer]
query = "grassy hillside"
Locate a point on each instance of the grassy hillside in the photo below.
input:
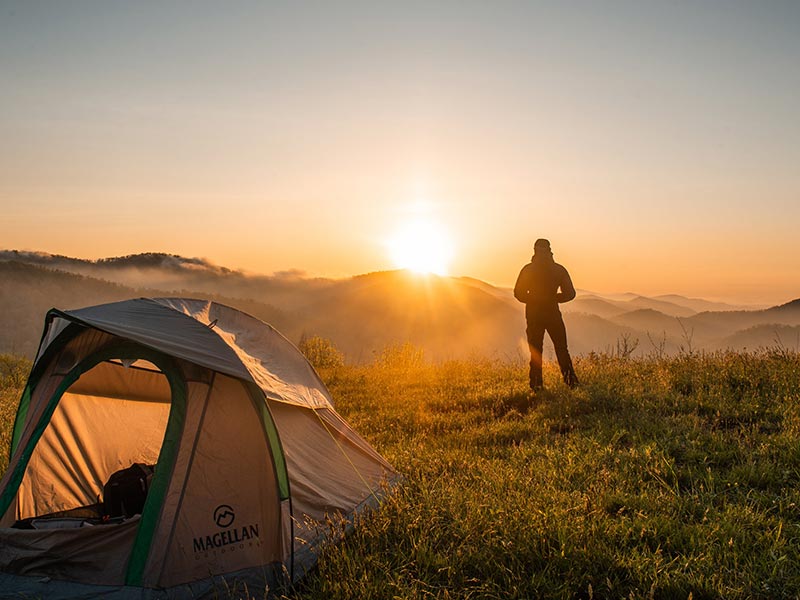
(657, 478)
(665, 478)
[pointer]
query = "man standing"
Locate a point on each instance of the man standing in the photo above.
(538, 287)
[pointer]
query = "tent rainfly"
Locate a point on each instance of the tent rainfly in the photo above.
(165, 447)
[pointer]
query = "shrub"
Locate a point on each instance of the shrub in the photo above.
(320, 352)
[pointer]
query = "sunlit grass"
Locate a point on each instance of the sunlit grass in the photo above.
(657, 478)
(13, 374)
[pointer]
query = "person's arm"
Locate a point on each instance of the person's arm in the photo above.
(567, 292)
(521, 290)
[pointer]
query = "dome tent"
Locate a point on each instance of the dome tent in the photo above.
(249, 456)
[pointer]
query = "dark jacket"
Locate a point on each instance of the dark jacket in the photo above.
(538, 284)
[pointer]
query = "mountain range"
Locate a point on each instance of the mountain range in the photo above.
(449, 317)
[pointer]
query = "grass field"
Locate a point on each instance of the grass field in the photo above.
(657, 478)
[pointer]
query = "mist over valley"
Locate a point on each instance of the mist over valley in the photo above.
(448, 317)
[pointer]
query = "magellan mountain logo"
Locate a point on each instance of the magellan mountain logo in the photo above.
(224, 516)
(230, 539)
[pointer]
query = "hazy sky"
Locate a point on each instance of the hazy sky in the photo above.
(657, 144)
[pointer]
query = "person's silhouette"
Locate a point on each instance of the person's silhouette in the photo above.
(538, 287)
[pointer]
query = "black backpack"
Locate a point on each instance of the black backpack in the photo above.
(126, 491)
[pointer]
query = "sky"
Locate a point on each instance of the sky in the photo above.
(657, 145)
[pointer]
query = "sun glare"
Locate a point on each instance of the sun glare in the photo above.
(421, 246)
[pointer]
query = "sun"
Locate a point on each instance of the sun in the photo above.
(421, 246)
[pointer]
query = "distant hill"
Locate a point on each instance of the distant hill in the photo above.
(28, 291)
(610, 307)
(649, 320)
(764, 336)
(593, 305)
(668, 308)
(175, 274)
(790, 308)
(700, 305)
(721, 324)
(449, 317)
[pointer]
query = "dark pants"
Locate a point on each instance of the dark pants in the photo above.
(548, 320)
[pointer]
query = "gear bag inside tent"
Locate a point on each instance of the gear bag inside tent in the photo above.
(164, 446)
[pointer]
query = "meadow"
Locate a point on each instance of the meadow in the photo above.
(659, 477)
